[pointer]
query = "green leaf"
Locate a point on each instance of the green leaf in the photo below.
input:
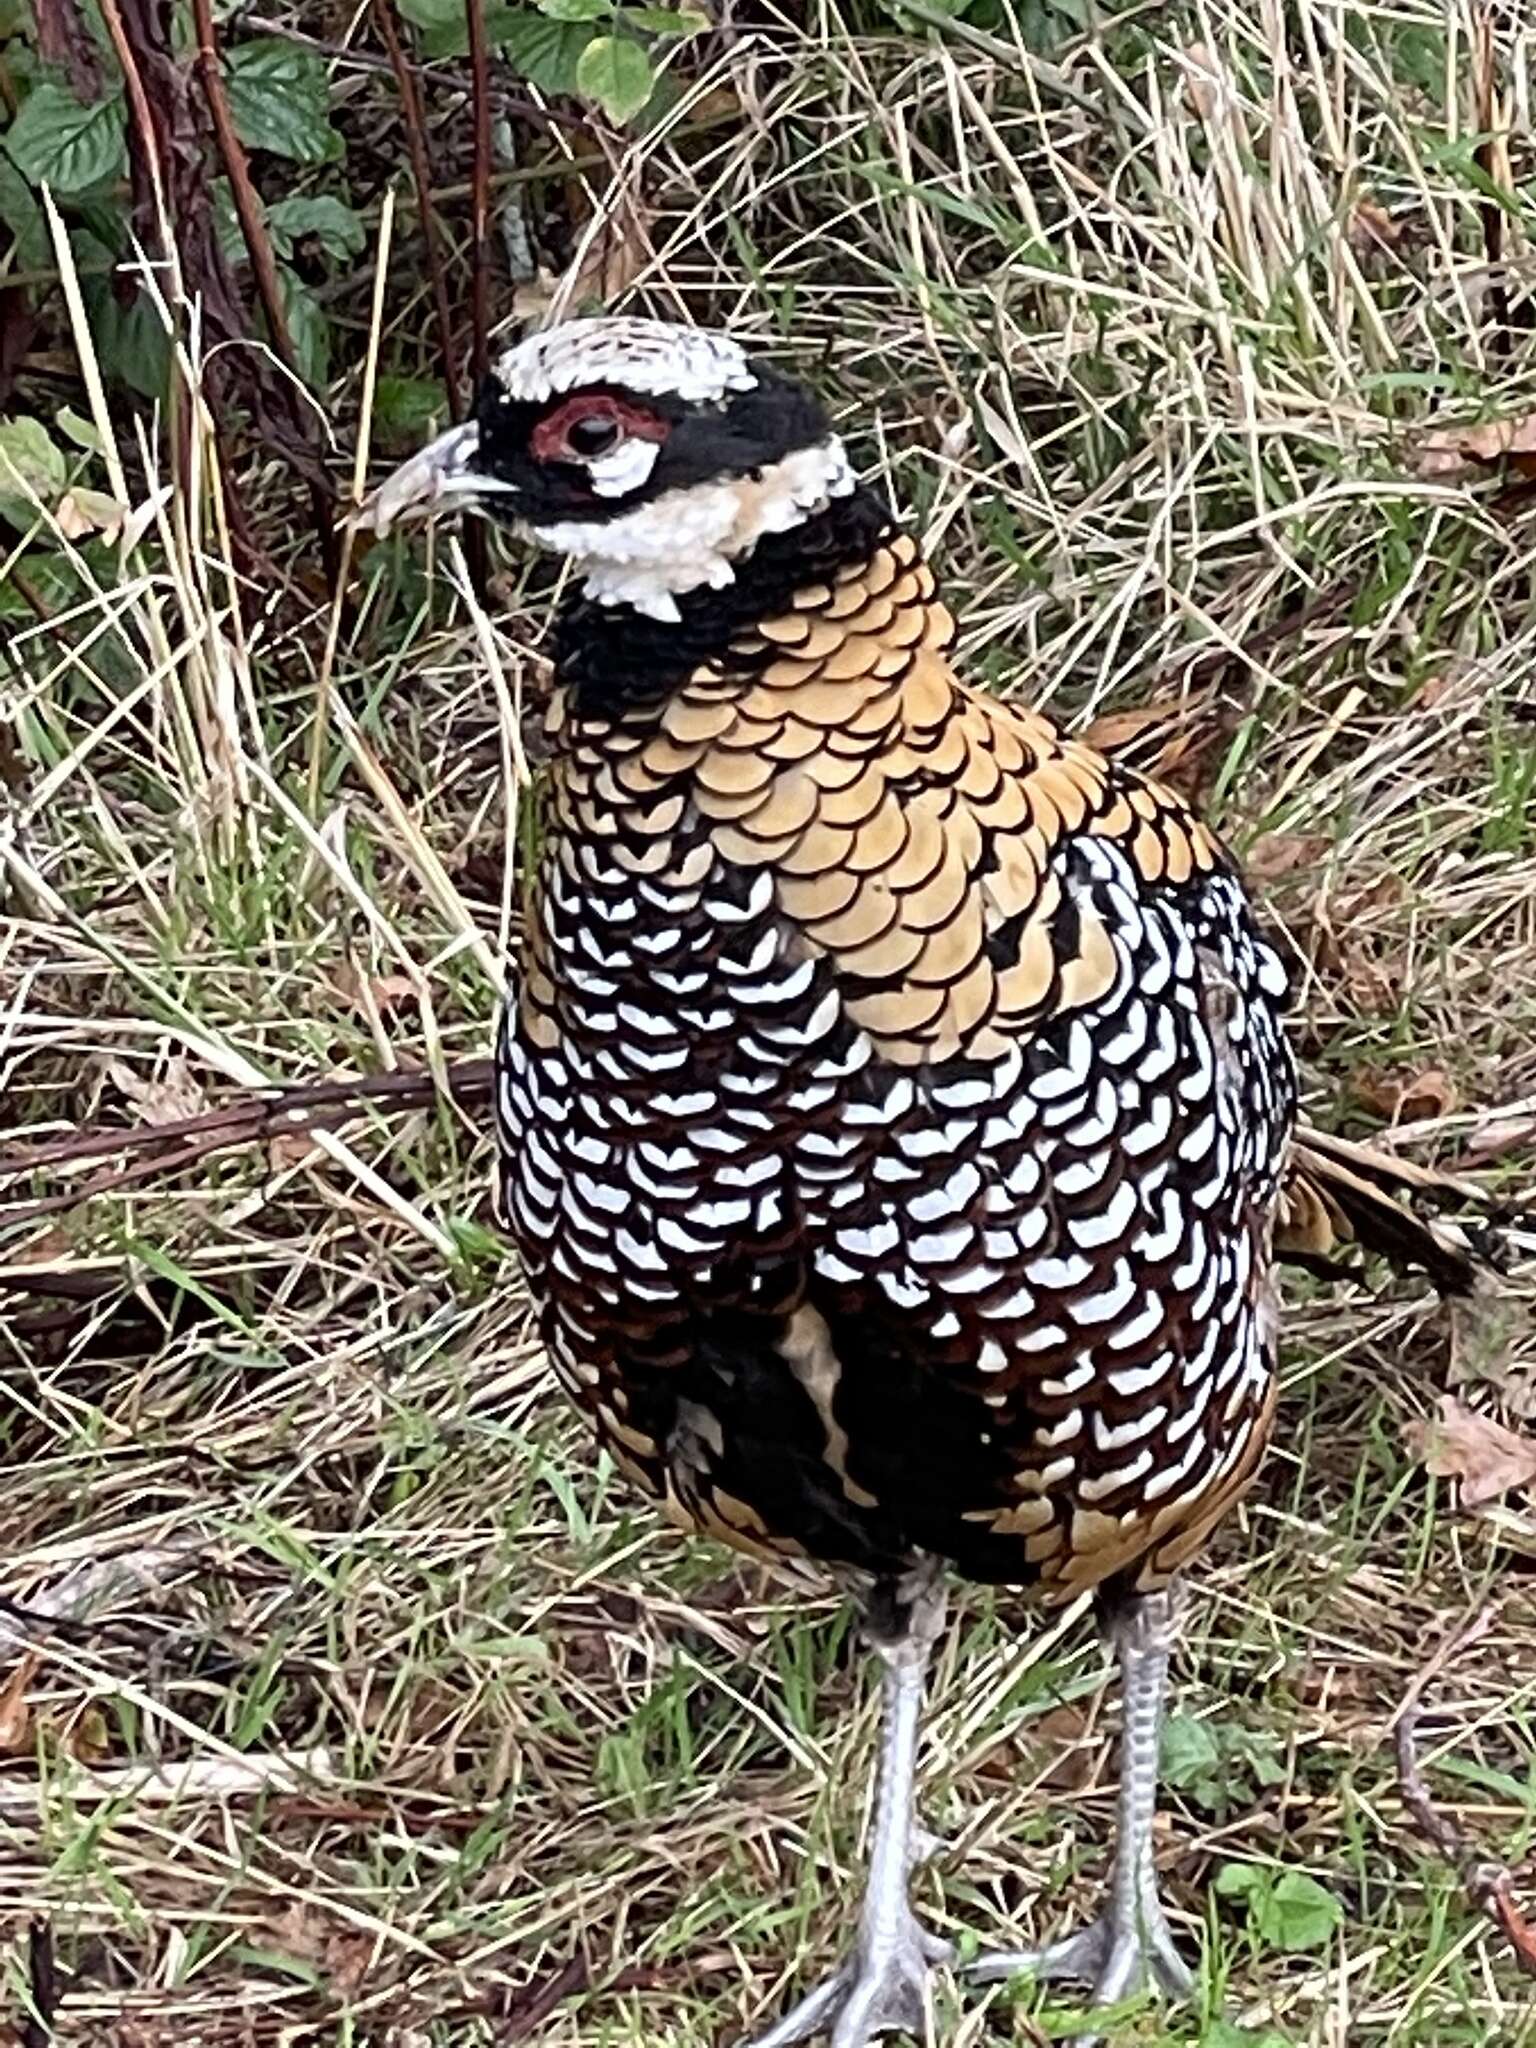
(444, 30)
(75, 427)
(576, 10)
(308, 329)
(666, 21)
(1298, 1914)
(340, 232)
(280, 100)
(20, 212)
(405, 408)
(130, 339)
(547, 53)
(29, 464)
(1291, 1912)
(56, 141)
(1189, 1750)
(616, 73)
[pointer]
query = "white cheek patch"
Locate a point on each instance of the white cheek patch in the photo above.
(690, 539)
(623, 469)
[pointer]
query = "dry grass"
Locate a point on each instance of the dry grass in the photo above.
(369, 1699)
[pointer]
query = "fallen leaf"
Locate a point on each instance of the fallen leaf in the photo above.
(292, 1148)
(89, 1739)
(1450, 452)
(609, 264)
(15, 1710)
(1420, 1096)
(1371, 228)
(1113, 731)
(80, 512)
(1282, 853)
(1205, 81)
(168, 1098)
(53, 1243)
(1486, 1459)
(374, 992)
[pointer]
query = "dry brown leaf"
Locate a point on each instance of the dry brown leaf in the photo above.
(1205, 80)
(53, 1243)
(1282, 853)
(168, 1098)
(608, 266)
(373, 992)
(1371, 228)
(293, 1148)
(15, 1710)
(1486, 1459)
(1450, 452)
(309, 1937)
(1419, 1096)
(1115, 730)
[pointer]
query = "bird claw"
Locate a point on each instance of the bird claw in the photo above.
(875, 1991)
(1114, 1956)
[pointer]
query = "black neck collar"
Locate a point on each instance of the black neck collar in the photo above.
(611, 657)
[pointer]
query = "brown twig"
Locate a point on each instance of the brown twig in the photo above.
(480, 249)
(421, 172)
(1488, 1885)
(258, 247)
(150, 138)
(183, 1141)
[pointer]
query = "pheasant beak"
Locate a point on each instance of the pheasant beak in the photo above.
(443, 474)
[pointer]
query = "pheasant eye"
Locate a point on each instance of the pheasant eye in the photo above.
(591, 424)
(594, 435)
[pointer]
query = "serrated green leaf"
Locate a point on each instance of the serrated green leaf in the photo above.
(56, 141)
(1189, 1749)
(546, 53)
(340, 231)
(1239, 1880)
(280, 101)
(576, 10)
(616, 73)
(1298, 1914)
(30, 465)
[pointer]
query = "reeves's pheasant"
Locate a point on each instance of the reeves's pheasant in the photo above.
(894, 1104)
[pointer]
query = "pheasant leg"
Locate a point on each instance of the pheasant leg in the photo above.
(882, 1985)
(1130, 1942)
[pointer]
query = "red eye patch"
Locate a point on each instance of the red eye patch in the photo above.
(551, 439)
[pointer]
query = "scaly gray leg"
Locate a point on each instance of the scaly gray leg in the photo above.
(1130, 1941)
(882, 1986)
